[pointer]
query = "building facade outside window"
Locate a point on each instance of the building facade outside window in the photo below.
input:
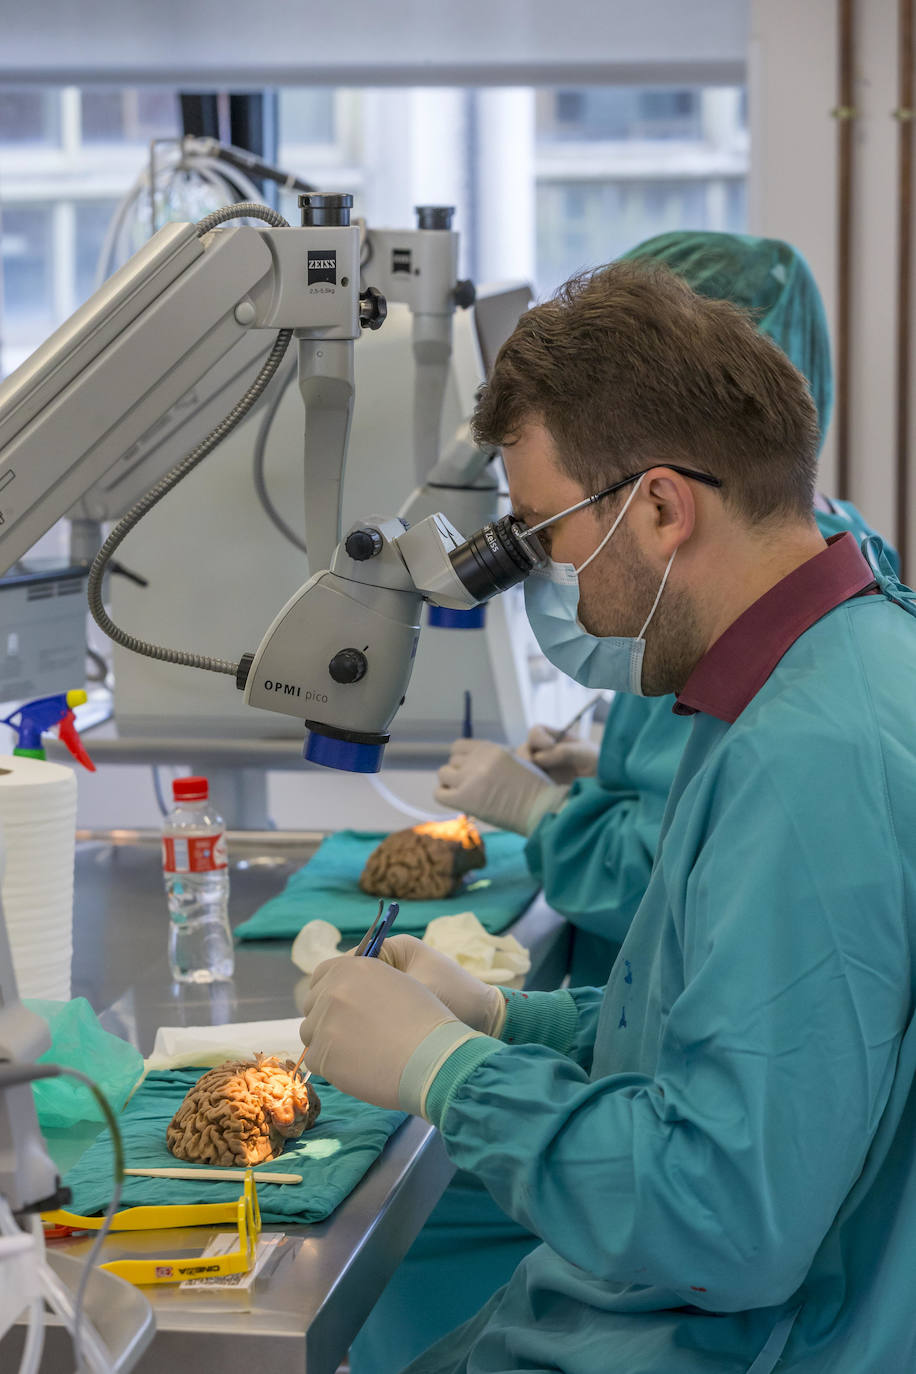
(546, 182)
(618, 165)
(66, 158)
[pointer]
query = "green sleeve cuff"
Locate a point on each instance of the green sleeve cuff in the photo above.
(540, 1018)
(426, 1061)
(532, 1018)
(455, 1071)
(549, 800)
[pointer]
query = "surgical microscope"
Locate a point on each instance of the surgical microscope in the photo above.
(338, 654)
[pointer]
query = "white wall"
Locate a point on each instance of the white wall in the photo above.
(371, 43)
(118, 796)
(793, 191)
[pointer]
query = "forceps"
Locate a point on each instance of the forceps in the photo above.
(368, 948)
(374, 937)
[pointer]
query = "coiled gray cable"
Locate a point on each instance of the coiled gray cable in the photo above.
(247, 210)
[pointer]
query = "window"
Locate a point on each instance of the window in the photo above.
(598, 113)
(588, 170)
(128, 116)
(611, 218)
(66, 158)
(92, 220)
(616, 165)
(305, 116)
(28, 272)
(29, 115)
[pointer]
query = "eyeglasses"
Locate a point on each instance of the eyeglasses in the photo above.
(525, 533)
(245, 1213)
(505, 551)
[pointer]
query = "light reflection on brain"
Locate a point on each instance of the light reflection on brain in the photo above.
(242, 1112)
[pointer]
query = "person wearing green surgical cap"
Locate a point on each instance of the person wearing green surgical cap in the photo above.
(593, 818)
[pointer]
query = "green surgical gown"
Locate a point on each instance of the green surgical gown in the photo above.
(718, 1149)
(593, 858)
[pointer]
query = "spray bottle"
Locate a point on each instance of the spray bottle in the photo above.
(32, 719)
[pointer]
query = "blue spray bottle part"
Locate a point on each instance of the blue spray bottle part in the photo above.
(32, 719)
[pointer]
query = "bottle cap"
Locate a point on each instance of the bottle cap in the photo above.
(190, 789)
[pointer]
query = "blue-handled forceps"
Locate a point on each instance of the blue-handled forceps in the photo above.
(374, 938)
(368, 948)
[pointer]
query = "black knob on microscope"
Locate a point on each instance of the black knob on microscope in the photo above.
(434, 216)
(321, 209)
(465, 294)
(373, 309)
(363, 544)
(348, 665)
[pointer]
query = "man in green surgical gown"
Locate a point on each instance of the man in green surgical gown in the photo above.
(716, 1150)
(592, 843)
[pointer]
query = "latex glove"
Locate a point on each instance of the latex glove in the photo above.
(479, 1005)
(364, 1020)
(486, 781)
(562, 760)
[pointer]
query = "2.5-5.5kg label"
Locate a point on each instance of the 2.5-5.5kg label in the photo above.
(194, 853)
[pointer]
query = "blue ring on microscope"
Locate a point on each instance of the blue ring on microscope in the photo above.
(442, 618)
(346, 755)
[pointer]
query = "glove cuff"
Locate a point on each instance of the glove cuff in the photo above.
(426, 1061)
(496, 1018)
(551, 798)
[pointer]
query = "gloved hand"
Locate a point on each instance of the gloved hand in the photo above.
(484, 780)
(478, 1004)
(363, 1022)
(562, 760)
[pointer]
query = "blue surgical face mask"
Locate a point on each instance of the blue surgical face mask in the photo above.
(552, 603)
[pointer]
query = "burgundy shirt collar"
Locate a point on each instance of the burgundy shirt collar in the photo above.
(732, 672)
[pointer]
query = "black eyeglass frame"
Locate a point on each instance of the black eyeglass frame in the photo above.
(525, 532)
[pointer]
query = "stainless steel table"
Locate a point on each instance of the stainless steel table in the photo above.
(305, 1314)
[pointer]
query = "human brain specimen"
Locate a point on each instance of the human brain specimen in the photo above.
(242, 1112)
(426, 863)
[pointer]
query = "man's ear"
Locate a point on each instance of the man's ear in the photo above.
(671, 508)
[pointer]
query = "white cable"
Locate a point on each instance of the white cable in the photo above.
(81, 1323)
(404, 807)
(35, 1332)
(35, 1337)
(182, 161)
(231, 177)
(95, 1356)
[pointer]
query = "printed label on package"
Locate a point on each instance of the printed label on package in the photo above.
(194, 854)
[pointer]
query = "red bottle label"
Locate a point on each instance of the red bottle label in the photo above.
(194, 853)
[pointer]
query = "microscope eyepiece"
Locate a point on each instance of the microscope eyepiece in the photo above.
(496, 557)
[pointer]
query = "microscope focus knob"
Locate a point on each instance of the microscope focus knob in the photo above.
(348, 665)
(465, 294)
(373, 309)
(363, 544)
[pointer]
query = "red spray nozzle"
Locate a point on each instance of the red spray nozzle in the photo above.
(68, 733)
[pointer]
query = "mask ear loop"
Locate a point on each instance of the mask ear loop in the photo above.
(623, 510)
(658, 597)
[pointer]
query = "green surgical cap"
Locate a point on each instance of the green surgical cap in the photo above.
(768, 278)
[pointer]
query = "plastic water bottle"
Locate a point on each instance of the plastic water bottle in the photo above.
(196, 875)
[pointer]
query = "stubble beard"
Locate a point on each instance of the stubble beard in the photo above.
(674, 641)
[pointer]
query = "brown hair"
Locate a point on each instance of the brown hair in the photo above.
(627, 366)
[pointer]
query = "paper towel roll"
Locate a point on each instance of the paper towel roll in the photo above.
(38, 821)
